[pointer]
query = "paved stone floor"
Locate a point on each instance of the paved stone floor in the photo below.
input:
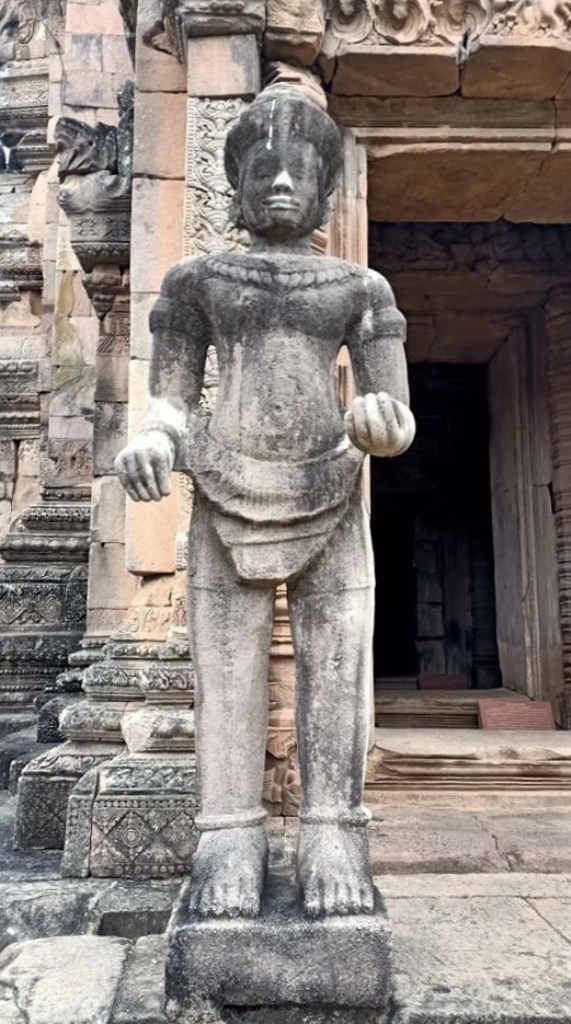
(480, 908)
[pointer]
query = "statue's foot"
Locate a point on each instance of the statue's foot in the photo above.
(333, 870)
(228, 872)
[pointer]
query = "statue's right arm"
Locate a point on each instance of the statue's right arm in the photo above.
(181, 338)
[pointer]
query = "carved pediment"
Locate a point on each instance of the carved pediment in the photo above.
(374, 22)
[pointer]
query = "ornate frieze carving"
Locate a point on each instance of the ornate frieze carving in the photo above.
(95, 169)
(18, 24)
(428, 22)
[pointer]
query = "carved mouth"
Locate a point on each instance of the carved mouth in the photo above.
(281, 203)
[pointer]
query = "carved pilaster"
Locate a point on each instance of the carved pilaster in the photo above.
(558, 322)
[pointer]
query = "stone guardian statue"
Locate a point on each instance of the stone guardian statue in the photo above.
(276, 468)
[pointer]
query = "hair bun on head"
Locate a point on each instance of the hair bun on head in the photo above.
(284, 113)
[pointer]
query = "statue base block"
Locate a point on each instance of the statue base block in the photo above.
(278, 959)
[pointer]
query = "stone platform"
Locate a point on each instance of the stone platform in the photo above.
(279, 958)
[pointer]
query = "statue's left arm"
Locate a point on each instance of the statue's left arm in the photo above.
(379, 421)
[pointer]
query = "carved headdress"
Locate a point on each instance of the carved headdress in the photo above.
(281, 114)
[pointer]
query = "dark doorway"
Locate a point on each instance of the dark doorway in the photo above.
(432, 537)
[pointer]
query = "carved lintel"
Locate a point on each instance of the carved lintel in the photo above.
(433, 22)
(210, 18)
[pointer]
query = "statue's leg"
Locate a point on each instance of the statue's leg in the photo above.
(331, 609)
(230, 634)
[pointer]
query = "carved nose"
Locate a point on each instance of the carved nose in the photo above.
(283, 183)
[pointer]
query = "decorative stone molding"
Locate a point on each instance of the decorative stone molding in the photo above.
(20, 267)
(429, 22)
(210, 18)
(207, 228)
(95, 169)
(19, 22)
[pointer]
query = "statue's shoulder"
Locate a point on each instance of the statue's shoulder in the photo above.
(188, 272)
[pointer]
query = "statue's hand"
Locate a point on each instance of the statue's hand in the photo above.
(380, 425)
(144, 466)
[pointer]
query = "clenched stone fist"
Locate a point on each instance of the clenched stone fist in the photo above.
(380, 425)
(144, 466)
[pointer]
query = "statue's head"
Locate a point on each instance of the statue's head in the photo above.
(283, 159)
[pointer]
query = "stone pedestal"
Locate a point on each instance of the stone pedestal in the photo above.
(278, 959)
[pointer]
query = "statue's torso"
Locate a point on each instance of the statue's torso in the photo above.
(277, 324)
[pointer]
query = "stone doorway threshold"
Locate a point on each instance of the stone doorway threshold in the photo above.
(470, 769)
(434, 709)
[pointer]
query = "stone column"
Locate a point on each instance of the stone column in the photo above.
(558, 325)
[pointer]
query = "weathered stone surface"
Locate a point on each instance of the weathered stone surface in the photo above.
(280, 957)
(517, 68)
(227, 65)
(44, 910)
(140, 999)
(449, 966)
(36, 986)
(397, 71)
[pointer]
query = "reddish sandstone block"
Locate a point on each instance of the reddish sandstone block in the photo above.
(100, 19)
(83, 52)
(115, 55)
(92, 89)
(155, 202)
(160, 131)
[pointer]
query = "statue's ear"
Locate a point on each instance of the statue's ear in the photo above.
(235, 211)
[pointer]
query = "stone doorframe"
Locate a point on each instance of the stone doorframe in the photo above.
(514, 275)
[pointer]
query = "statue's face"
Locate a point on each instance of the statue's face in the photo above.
(280, 189)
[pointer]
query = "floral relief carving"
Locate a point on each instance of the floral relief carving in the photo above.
(374, 22)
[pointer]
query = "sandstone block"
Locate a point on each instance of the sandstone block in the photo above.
(115, 54)
(151, 535)
(37, 977)
(160, 131)
(221, 66)
(109, 435)
(156, 71)
(397, 71)
(102, 19)
(83, 50)
(141, 338)
(280, 957)
(108, 510)
(91, 89)
(524, 68)
(155, 202)
(112, 378)
(110, 585)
